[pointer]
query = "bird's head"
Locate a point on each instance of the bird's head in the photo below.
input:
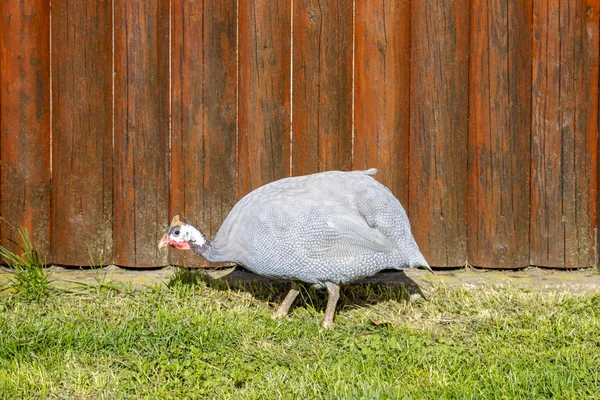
(182, 236)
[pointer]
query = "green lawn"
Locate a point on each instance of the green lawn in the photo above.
(203, 341)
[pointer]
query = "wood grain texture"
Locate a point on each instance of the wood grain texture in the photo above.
(499, 133)
(82, 132)
(141, 200)
(382, 92)
(264, 93)
(565, 129)
(203, 144)
(25, 120)
(322, 92)
(438, 142)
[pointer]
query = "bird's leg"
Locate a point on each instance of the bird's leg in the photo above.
(284, 307)
(334, 295)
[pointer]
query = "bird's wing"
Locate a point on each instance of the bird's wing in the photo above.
(343, 236)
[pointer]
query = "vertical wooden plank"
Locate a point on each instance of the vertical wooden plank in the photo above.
(25, 123)
(264, 92)
(382, 91)
(565, 129)
(499, 133)
(141, 130)
(82, 132)
(187, 121)
(322, 93)
(2, 227)
(438, 142)
(203, 144)
(585, 155)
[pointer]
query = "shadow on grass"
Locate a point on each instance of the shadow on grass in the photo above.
(386, 285)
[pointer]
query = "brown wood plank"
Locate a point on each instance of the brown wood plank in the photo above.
(203, 144)
(565, 129)
(25, 120)
(438, 142)
(382, 91)
(499, 133)
(264, 93)
(322, 93)
(82, 132)
(141, 131)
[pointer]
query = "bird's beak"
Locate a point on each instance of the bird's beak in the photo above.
(164, 241)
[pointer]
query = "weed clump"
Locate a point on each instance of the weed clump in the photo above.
(29, 279)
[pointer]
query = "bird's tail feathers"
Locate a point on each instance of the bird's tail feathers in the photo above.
(422, 263)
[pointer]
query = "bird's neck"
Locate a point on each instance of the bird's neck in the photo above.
(200, 244)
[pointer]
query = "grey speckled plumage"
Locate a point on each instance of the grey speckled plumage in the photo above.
(325, 229)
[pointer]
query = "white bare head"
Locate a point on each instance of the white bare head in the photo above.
(182, 236)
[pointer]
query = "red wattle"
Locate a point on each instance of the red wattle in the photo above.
(180, 245)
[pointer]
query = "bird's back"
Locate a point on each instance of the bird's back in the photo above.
(332, 226)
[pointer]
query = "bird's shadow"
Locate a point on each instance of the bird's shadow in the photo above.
(384, 286)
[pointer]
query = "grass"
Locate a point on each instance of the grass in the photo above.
(29, 279)
(203, 339)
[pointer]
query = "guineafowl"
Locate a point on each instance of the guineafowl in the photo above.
(324, 229)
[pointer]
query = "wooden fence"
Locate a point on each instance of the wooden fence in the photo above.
(481, 115)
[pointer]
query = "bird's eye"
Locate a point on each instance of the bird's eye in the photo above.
(176, 232)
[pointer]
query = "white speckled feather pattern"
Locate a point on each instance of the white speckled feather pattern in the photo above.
(327, 227)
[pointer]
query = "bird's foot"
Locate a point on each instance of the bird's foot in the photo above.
(334, 295)
(327, 325)
(278, 314)
(284, 307)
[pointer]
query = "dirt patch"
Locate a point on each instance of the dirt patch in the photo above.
(579, 281)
